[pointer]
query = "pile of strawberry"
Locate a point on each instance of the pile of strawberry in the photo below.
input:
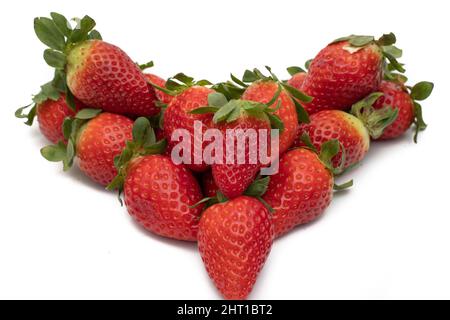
(103, 113)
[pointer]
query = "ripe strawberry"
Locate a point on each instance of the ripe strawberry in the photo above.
(158, 193)
(178, 116)
(234, 240)
(397, 95)
(244, 124)
(162, 96)
(99, 74)
(302, 189)
(50, 113)
(95, 139)
(209, 186)
(297, 80)
(263, 91)
(352, 132)
(346, 71)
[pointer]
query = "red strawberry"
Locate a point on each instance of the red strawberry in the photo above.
(245, 120)
(178, 116)
(297, 80)
(346, 71)
(160, 82)
(234, 241)
(158, 194)
(209, 186)
(396, 95)
(99, 74)
(95, 139)
(300, 191)
(99, 142)
(264, 91)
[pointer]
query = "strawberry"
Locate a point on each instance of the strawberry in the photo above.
(178, 116)
(158, 193)
(50, 114)
(346, 71)
(162, 96)
(234, 240)
(95, 139)
(99, 74)
(209, 186)
(234, 172)
(398, 96)
(263, 91)
(352, 132)
(303, 188)
(297, 80)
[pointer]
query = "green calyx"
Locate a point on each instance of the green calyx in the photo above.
(72, 127)
(144, 143)
(375, 120)
(60, 36)
(420, 92)
(235, 88)
(386, 44)
(230, 111)
(179, 83)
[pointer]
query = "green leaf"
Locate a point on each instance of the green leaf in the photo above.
(95, 35)
(70, 155)
(239, 82)
(221, 197)
(30, 116)
(223, 113)
(308, 63)
(387, 39)
(328, 151)
(275, 96)
(341, 39)
(204, 110)
(294, 70)
(156, 148)
(54, 153)
(67, 127)
(48, 91)
(203, 83)
(302, 114)
(306, 139)
(203, 201)
(344, 186)
(418, 120)
(297, 93)
(236, 113)
(217, 99)
(249, 76)
(275, 122)
(184, 79)
(70, 100)
(146, 65)
(393, 50)
(140, 130)
(393, 61)
(360, 41)
(49, 34)
(61, 23)
(83, 28)
(59, 81)
(55, 59)
(422, 90)
(86, 114)
(258, 188)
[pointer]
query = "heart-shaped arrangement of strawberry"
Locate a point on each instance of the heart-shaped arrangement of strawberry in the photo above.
(165, 144)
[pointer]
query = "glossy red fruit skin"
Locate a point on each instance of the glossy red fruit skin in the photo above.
(233, 179)
(396, 96)
(209, 186)
(177, 116)
(158, 195)
(300, 192)
(160, 82)
(103, 76)
(335, 124)
(235, 239)
(264, 91)
(297, 80)
(337, 78)
(99, 142)
(51, 114)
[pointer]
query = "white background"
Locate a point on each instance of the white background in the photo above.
(62, 236)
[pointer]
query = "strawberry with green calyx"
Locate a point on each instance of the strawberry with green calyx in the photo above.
(162, 96)
(352, 131)
(97, 73)
(347, 70)
(240, 116)
(398, 96)
(234, 239)
(95, 139)
(303, 188)
(157, 193)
